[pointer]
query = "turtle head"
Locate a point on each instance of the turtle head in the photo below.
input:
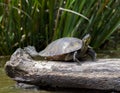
(86, 39)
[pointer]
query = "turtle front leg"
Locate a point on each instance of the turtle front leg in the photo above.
(75, 57)
(92, 54)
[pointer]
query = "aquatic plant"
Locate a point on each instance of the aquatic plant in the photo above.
(39, 22)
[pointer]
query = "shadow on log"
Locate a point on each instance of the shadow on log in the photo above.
(103, 74)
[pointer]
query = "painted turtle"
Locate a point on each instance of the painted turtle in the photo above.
(69, 48)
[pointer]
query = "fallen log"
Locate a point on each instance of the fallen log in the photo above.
(103, 74)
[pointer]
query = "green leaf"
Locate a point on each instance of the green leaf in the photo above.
(1, 17)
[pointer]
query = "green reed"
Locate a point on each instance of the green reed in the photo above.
(39, 22)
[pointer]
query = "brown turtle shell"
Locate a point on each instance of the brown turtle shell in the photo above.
(62, 48)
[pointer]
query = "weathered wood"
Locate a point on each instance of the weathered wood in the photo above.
(103, 74)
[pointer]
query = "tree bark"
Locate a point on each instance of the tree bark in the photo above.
(103, 74)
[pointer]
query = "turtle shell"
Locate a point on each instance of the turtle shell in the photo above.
(61, 47)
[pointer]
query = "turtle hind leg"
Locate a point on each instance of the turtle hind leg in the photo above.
(92, 54)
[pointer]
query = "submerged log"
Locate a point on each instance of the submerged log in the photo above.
(103, 74)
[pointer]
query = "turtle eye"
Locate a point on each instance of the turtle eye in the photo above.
(87, 41)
